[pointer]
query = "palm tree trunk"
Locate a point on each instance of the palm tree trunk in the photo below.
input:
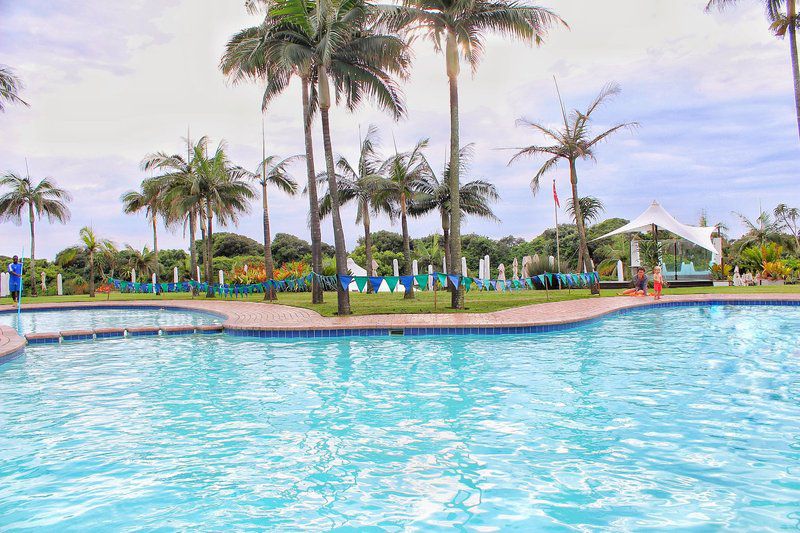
(192, 251)
(792, 13)
(446, 237)
(209, 250)
(342, 292)
(269, 264)
(91, 274)
(33, 250)
(584, 247)
(155, 246)
(451, 57)
(367, 244)
(409, 293)
(313, 200)
(203, 246)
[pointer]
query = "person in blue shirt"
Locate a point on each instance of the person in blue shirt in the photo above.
(639, 285)
(15, 278)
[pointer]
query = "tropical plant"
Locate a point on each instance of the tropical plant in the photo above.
(402, 177)
(721, 272)
(430, 252)
(780, 24)
(223, 191)
(150, 198)
(91, 245)
(176, 181)
(759, 231)
(361, 183)
(10, 87)
(142, 261)
(273, 170)
(331, 42)
(458, 29)
(759, 258)
(433, 194)
(590, 209)
(572, 143)
(789, 219)
(44, 198)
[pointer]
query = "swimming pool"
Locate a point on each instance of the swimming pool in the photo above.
(47, 321)
(685, 417)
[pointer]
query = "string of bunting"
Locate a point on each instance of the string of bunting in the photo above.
(548, 280)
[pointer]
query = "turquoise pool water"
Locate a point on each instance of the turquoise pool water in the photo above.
(679, 418)
(54, 321)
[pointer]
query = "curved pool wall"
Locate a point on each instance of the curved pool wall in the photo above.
(12, 345)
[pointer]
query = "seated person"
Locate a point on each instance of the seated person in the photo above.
(639, 285)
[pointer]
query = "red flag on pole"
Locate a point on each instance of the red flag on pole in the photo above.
(555, 194)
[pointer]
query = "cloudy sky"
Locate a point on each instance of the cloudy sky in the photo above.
(109, 82)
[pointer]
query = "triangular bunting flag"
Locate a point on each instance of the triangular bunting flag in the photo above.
(442, 279)
(361, 283)
(407, 282)
(467, 283)
(454, 279)
(346, 280)
(375, 281)
(391, 282)
(422, 281)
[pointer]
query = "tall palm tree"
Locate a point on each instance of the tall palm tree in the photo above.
(92, 245)
(434, 195)
(590, 208)
(570, 144)
(361, 183)
(223, 190)
(273, 170)
(10, 87)
(461, 26)
(109, 258)
(789, 218)
(43, 198)
(402, 177)
(150, 199)
(781, 24)
(266, 53)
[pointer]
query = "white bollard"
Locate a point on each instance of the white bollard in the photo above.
(481, 268)
(198, 274)
(414, 267)
(4, 280)
(60, 285)
(154, 282)
(464, 266)
(488, 265)
(552, 261)
(44, 282)
(133, 275)
(620, 272)
(175, 275)
(430, 277)
(395, 267)
(221, 277)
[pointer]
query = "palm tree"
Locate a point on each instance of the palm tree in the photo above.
(43, 198)
(92, 245)
(590, 209)
(150, 199)
(143, 261)
(759, 231)
(273, 171)
(264, 53)
(781, 24)
(178, 174)
(10, 87)
(109, 258)
(222, 189)
(434, 195)
(361, 184)
(574, 142)
(462, 27)
(402, 177)
(790, 219)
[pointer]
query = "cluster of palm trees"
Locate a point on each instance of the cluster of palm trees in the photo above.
(351, 50)
(403, 185)
(190, 191)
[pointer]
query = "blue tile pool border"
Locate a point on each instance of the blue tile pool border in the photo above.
(78, 307)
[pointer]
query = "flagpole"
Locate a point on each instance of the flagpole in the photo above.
(558, 243)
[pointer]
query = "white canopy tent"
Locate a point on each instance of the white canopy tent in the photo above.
(655, 215)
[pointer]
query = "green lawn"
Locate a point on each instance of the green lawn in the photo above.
(387, 303)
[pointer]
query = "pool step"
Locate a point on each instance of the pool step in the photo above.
(116, 333)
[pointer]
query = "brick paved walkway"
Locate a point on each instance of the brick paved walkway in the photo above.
(271, 317)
